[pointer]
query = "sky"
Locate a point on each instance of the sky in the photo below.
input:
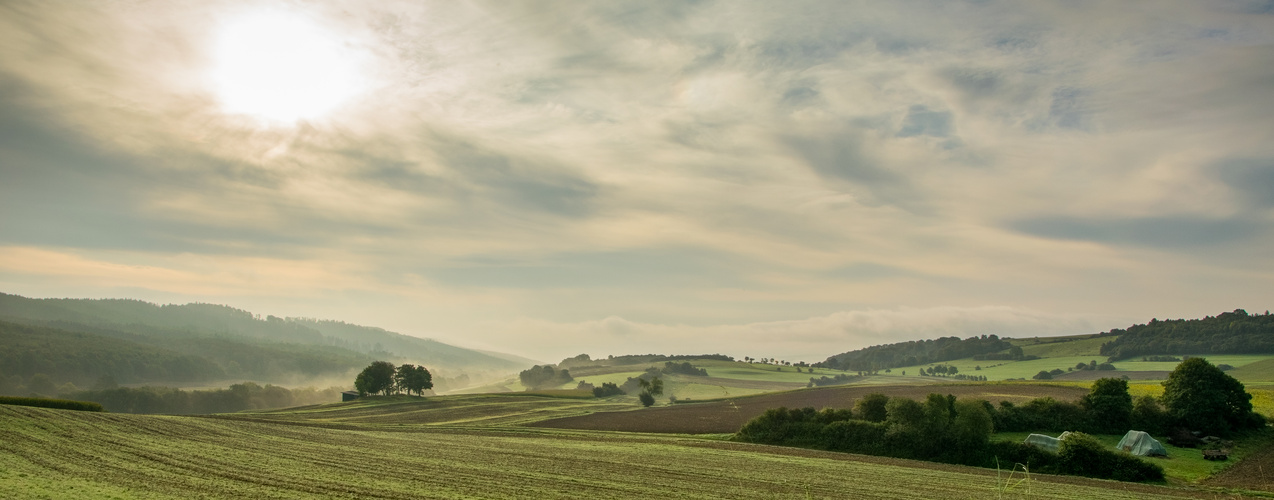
(768, 179)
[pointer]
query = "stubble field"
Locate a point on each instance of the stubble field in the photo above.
(61, 454)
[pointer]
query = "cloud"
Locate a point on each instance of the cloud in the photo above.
(659, 163)
(1156, 232)
(811, 339)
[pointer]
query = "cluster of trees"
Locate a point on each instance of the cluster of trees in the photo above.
(238, 397)
(939, 371)
(1234, 332)
(939, 429)
(918, 352)
(382, 377)
(584, 360)
(608, 389)
(1094, 365)
(684, 368)
(1014, 353)
(838, 379)
(1197, 397)
(537, 377)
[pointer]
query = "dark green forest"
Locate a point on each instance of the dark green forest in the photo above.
(1234, 332)
(917, 352)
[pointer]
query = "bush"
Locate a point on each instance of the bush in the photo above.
(608, 389)
(1043, 375)
(683, 369)
(646, 399)
(854, 436)
(872, 407)
(1082, 455)
(60, 404)
(1040, 414)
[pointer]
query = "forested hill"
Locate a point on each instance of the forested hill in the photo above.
(1227, 333)
(214, 329)
(917, 352)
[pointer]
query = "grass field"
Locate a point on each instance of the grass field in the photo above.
(1261, 373)
(1184, 465)
(60, 454)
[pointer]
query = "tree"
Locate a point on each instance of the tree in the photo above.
(377, 377)
(650, 389)
(411, 378)
(1109, 405)
(1043, 375)
(1148, 416)
(1201, 397)
(872, 407)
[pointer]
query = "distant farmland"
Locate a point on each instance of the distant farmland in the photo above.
(727, 416)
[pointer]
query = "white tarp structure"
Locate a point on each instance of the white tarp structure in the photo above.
(1141, 444)
(1048, 443)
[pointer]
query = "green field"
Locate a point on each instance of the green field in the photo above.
(1004, 369)
(62, 454)
(726, 379)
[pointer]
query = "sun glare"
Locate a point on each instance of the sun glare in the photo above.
(282, 67)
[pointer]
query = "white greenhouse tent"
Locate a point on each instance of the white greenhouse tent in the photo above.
(1045, 442)
(1141, 444)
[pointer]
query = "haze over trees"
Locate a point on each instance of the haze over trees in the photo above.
(539, 377)
(80, 340)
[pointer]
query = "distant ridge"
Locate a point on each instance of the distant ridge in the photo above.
(237, 342)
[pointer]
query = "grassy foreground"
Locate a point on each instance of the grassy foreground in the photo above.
(62, 454)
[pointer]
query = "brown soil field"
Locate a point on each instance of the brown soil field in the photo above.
(727, 416)
(1248, 474)
(1096, 374)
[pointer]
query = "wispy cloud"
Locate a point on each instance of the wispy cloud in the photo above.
(698, 163)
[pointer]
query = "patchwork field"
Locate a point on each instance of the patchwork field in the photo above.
(60, 454)
(727, 416)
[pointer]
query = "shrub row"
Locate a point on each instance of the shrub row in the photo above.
(61, 404)
(940, 429)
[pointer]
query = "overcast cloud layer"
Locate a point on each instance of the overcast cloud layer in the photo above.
(773, 179)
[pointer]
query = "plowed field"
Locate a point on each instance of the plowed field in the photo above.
(728, 416)
(60, 454)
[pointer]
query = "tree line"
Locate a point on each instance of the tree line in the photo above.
(173, 401)
(1235, 332)
(917, 352)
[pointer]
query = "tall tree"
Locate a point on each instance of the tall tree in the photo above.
(377, 377)
(1109, 405)
(1201, 397)
(413, 379)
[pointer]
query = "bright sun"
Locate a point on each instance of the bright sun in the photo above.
(281, 67)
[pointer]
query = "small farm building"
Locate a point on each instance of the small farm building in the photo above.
(349, 395)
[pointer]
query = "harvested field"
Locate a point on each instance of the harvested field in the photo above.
(1250, 473)
(1096, 374)
(55, 454)
(727, 416)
